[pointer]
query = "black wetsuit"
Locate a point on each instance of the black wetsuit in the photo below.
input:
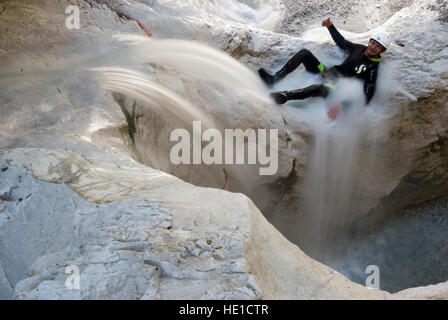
(356, 65)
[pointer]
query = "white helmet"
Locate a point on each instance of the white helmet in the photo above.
(382, 38)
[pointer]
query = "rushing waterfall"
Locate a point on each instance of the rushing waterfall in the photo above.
(331, 194)
(329, 186)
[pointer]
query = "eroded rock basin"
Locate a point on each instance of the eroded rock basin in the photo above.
(148, 246)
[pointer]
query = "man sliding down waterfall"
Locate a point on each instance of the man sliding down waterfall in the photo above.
(361, 63)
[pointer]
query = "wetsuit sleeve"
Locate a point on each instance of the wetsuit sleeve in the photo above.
(370, 83)
(340, 40)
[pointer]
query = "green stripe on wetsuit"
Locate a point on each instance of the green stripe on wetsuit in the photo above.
(320, 67)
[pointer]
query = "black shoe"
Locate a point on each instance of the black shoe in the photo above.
(266, 77)
(279, 97)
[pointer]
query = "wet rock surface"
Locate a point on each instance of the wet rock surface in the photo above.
(149, 246)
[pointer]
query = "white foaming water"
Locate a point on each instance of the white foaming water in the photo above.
(195, 63)
(163, 101)
(198, 61)
(329, 185)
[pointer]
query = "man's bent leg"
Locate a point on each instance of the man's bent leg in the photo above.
(316, 90)
(303, 56)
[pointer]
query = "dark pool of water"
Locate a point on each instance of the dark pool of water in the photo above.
(410, 249)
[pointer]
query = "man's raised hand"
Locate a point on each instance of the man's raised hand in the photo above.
(326, 22)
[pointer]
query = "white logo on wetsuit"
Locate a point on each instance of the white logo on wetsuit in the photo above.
(360, 68)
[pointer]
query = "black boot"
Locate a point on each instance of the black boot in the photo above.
(266, 77)
(279, 97)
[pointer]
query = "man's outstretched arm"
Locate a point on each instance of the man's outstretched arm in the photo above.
(337, 37)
